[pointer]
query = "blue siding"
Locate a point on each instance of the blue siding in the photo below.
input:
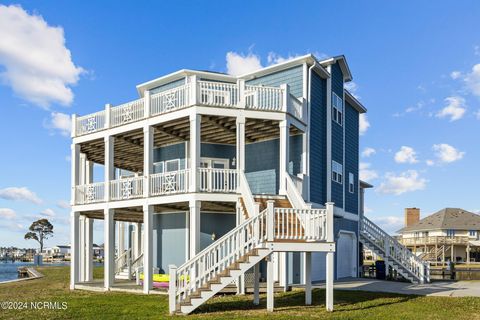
(218, 223)
(351, 157)
(337, 137)
(318, 140)
(169, 233)
(222, 151)
(293, 77)
(168, 86)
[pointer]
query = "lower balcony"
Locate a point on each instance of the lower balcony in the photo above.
(210, 180)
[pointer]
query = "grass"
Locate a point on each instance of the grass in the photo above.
(54, 287)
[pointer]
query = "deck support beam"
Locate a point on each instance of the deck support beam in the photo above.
(308, 278)
(194, 227)
(88, 249)
(147, 248)
(74, 254)
(256, 284)
(109, 248)
(270, 283)
(284, 154)
(195, 145)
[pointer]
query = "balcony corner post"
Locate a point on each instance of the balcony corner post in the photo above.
(147, 158)
(108, 119)
(285, 96)
(146, 104)
(193, 90)
(270, 220)
(330, 208)
(73, 133)
(241, 93)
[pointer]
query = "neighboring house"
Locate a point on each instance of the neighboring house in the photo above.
(202, 155)
(451, 234)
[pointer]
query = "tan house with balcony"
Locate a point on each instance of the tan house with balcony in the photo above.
(450, 232)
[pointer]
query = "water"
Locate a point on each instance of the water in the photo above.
(8, 270)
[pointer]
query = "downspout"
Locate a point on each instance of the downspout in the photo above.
(308, 126)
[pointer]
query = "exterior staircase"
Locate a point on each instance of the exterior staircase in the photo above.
(407, 264)
(127, 267)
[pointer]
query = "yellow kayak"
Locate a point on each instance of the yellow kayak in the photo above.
(161, 277)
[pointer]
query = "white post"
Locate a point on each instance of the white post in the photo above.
(270, 283)
(329, 259)
(147, 248)
(194, 227)
(82, 260)
(329, 135)
(75, 159)
(146, 104)
(308, 278)
(305, 163)
(256, 284)
(284, 155)
(270, 221)
(138, 240)
(241, 93)
(89, 249)
(109, 165)
(74, 250)
(147, 158)
(89, 172)
(195, 144)
(121, 237)
(193, 90)
(386, 258)
(285, 97)
(240, 143)
(108, 118)
(172, 288)
(73, 133)
(109, 248)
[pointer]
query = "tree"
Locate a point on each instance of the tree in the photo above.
(40, 230)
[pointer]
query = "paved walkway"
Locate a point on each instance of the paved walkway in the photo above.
(440, 288)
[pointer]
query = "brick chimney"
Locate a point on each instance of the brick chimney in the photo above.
(412, 216)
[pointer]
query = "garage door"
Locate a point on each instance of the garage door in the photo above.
(346, 255)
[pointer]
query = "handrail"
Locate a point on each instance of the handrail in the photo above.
(246, 193)
(394, 250)
(218, 180)
(122, 260)
(293, 194)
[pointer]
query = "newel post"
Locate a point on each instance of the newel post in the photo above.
(330, 234)
(193, 90)
(172, 288)
(146, 104)
(270, 220)
(285, 96)
(241, 93)
(108, 118)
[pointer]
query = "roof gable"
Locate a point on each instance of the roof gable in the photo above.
(447, 218)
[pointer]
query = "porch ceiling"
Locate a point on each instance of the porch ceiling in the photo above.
(128, 149)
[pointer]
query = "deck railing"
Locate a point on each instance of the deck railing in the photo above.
(126, 188)
(90, 193)
(169, 182)
(218, 180)
(432, 240)
(195, 92)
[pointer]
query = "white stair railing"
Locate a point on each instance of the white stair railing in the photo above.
(247, 195)
(293, 194)
(394, 250)
(123, 260)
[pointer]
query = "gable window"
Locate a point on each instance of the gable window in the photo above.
(450, 233)
(472, 233)
(337, 172)
(337, 109)
(351, 183)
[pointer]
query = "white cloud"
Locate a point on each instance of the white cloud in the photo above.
(38, 66)
(367, 152)
(48, 212)
(389, 223)
(238, 63)
(23, 193)
(406, 155)
(473, 80)
(477, 114)
(274, 58)
(7, 213)
(455, 108)
(63, 204)
(363, 123)
(446, 153)
(430, 162)
(366, 173)
(61, 122)
(407, 181)
(352, 87)
(455, 75)
(476, 50)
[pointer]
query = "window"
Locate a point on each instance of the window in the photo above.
(337, 109)
(472, 233)
(337, 172)
(351, 183)
(172, 165)
(450, 233)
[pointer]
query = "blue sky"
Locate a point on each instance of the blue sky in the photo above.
(416, 67)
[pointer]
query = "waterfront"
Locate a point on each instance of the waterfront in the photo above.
(8, 270)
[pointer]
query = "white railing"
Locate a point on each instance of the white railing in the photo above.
(123, 260)
(293, 193)
(169, 182)
(170, 100)
(218, 93)
(247, 195)
(218, 180)
(301, 224)
(126, 188)
(127, 112)
(264, 98)
(295, 106)
(90, 123)
(395, 250)
(90, 193)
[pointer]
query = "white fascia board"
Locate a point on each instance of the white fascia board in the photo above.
(182, 74)
(354, 102)
(343, 65)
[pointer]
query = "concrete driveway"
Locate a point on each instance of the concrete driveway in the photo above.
(440, 288)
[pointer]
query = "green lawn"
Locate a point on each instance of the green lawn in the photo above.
(348, 304)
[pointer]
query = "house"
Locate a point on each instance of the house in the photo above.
(451, 234)
(211, 177)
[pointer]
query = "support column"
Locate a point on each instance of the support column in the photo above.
(121, 237)
(308, 278)
(270, 284)
(138, 240)
(329, 135)
(147, 248)
(282, 270)
(241, 143)
(195, 136)
(147, 158)
(109, 165)
(329, 259)
(88, 249)
(284, 154)
(82, 254)
(109, 248)
(74, 250)
(194, 227)
(75, 160)
(256, 284)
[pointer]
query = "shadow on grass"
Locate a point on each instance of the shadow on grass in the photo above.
(295, 300)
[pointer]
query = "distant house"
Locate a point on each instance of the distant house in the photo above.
(451, 234)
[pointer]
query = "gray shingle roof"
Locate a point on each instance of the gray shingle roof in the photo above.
(448, 218)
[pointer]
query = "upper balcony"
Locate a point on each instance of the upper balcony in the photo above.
(193, 93)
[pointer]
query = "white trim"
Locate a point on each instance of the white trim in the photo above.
(329, 136)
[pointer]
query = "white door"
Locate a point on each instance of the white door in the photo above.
(212, 180)
(318, 266)
(346, 255)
